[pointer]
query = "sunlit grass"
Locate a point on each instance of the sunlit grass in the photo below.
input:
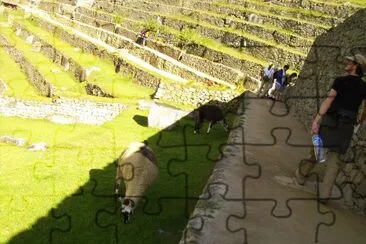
(113, 83)
(361, 3)
(77, 166)
(38, 181)
(64, 83)
(16, 81)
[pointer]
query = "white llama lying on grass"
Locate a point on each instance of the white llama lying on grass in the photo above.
(138, 168)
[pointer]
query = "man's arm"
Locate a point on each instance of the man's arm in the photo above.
(323, 110)
(362, 116)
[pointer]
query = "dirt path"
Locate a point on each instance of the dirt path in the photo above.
(273, 212)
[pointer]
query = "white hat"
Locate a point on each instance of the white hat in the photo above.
(358, 58)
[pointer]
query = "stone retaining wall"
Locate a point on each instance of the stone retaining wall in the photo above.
(248, 46)
(51, 52)
(130, 30)
(267, 7)
(341, 11)
(193, 96)
(280, 21)
(212, 200)
(58, 57)
(120, 42)
(37, 80)
(141, 76)
(62, 110)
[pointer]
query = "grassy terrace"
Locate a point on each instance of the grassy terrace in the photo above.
(266, 27)
(75, 175)
(229, 30)
(191, 36)
(15, 79)
(107, 79)
(63, 82)
(290, 10)
(133, 61)
(264, 13)
(360, 3)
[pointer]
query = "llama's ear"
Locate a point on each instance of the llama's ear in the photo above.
(132, 203)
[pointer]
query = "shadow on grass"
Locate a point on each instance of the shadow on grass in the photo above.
(141, 120)
(91, 214)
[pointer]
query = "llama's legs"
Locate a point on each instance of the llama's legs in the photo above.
(224, 124)
(118, 183)
(197, 121)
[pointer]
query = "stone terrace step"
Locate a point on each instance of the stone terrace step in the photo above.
(295, 12)
(299, 26)
(14, 82)
(212, 61)
(258, 7)
(106, 21)
(65, 110)
(38, 68)
(73, 61)
(251, 44)
(142, 70)
(215, 53)
(155, 58)
(341, 10)
(215, 16)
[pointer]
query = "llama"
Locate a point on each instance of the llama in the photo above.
(138, 168)
(212, 113)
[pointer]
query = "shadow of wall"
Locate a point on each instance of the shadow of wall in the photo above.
(92, 213)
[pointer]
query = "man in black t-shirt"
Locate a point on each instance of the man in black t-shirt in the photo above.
(334, 122)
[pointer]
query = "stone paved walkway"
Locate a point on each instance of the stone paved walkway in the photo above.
(258, 171)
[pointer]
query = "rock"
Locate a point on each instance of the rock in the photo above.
(90, 70)
(62, 119)
(12, 140)
(164, 116)
(39, 146)
(18, 32)
(55, 70)
(37, 46)
(145, 105)
(29, 39)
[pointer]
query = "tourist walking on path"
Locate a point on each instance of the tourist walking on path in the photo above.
(279, 78)
(266, 78)
(335, 121)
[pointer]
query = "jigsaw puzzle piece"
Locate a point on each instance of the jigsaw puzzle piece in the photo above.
(46, 229)
(211, 213)
(265, 113)
(109, 219)
(261, 226)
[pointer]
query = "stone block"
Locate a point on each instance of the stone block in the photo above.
(164, 116)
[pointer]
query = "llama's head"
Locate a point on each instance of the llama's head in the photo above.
(127, 209)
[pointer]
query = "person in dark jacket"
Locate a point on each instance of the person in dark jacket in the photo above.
(279, 78)
(335, 122)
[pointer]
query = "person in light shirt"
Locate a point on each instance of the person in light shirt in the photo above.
(266, 78)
